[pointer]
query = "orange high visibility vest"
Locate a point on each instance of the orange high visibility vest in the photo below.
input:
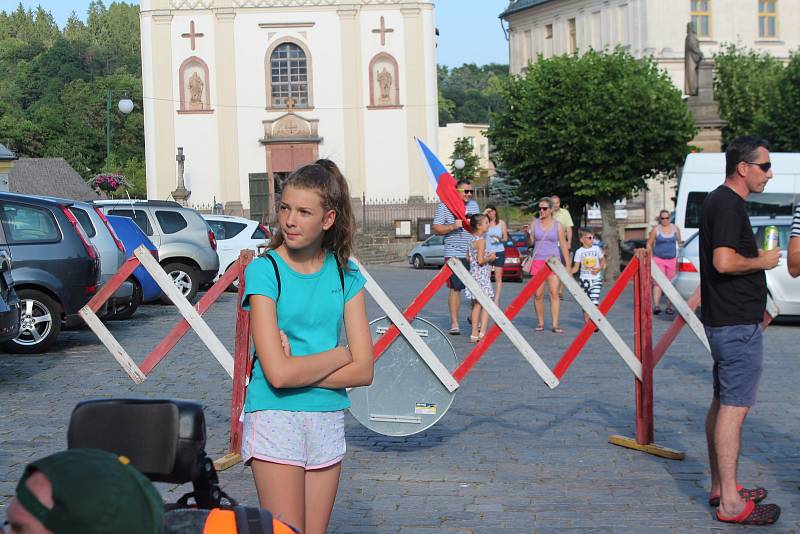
(221, 521)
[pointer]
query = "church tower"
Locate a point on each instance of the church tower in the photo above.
(253, 89)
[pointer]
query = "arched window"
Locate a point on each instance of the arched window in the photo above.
(288, 77)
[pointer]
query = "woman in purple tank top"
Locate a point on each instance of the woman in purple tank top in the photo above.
(548, 239)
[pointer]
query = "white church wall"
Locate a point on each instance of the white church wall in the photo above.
(431, 86)
(148, 105)
(197, 132)
(386, 138)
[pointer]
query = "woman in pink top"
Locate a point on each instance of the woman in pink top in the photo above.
(548, 238)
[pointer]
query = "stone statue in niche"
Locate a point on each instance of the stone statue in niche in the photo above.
(692, 58)
(196, 92)
(385, 82)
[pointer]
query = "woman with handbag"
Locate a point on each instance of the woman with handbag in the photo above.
(548, 238)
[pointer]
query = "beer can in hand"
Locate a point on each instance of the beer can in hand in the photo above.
(770, 238)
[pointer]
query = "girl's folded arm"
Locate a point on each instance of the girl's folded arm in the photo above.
(359, 372)
(281, 369)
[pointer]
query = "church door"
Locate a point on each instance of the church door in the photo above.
(282, 159)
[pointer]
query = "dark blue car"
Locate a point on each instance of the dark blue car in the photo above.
(145, 288)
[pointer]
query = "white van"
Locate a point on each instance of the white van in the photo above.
(702, 173)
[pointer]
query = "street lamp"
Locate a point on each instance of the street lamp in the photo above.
(125, 106)
(459, 164)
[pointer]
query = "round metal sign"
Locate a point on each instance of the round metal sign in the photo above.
(405, 397)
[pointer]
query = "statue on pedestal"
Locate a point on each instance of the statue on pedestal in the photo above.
(692, 58)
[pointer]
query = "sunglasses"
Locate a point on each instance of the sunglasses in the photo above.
(468, 191)
(763, 166)
(664, 218)
(545, 208)
(589, 237)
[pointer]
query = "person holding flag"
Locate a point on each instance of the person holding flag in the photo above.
(456, 244)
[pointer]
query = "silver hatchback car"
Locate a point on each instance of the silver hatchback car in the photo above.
(784, 290)
(187, 248)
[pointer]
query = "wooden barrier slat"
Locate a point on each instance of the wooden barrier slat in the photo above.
(505, 324)
(241, 357)
(412, 310)
(200, 327)
(511, 311)
(113, 283)
(111, 343)
(643, 319)
(674, 329)
(571, 354)
(179, 330)
(401, 323)
(680, 305)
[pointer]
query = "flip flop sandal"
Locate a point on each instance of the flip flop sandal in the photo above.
(657, 310)
(474, 339)
(455, 331)
(669, 311)
(540, 328)
(557, 330)
(754, 514)
(756, 495)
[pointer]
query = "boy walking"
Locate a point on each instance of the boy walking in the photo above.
(589, 259)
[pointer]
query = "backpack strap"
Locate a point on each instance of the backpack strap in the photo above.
(251, 520)
(278, 276)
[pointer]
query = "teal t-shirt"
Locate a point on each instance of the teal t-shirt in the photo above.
(311, 313)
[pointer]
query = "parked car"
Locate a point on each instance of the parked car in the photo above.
(121, 305)
(56, 268)
(145, 288)
(187, 248)
(9, 303)
(429, 253)
(784, 290)
(234, 234)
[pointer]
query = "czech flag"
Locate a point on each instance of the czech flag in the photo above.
(444, 183)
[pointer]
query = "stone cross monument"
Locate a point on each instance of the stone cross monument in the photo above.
(181, 194)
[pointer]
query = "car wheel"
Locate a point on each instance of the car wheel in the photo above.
(125, 312)
(185, 278)
(418, 262)
(40, 323)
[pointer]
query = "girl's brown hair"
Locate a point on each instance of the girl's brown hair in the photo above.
(324, 177)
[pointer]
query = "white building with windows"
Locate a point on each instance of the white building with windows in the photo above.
(654, 28)
(252, 89)
(476, 133)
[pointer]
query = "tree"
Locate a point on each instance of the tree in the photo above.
(781, 122)
(591, 128)
(745, 81)
(464, 151)
(469, 93)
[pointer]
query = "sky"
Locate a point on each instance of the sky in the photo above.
(469, 30)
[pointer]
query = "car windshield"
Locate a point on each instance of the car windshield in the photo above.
(692, 245)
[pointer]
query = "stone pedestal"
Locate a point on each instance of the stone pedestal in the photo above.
(181, 195)
(235, 208)
(705, 111)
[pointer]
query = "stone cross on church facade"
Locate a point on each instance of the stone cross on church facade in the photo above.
(192, 34)
(383, 30)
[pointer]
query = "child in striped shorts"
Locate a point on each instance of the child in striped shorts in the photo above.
(591, 263)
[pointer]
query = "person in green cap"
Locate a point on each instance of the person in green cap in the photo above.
(84, 491)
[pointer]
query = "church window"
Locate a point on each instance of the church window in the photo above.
(701, 17)
(288, 67)
(767, 18)
(548, 40)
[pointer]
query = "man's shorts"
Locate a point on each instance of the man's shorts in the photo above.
(311, 440)
(738, 353)
(500, 259)
(455, 282)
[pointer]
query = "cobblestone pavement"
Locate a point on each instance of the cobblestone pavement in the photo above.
(509, 455)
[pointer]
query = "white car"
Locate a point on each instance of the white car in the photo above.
(784, 290)
(233, 235)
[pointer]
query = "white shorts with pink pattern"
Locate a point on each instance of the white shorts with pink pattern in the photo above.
(311, 440)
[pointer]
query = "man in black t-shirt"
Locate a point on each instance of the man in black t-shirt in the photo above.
(733, 291)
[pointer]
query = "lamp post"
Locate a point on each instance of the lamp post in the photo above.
(125, 105)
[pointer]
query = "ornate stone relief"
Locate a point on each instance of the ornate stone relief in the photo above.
(194, 86)
(290, 127)
(384, 86)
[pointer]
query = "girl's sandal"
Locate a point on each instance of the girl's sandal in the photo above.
(557, 330)
(474, 339)
(540, 328)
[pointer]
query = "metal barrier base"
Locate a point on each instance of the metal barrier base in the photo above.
(650, 448)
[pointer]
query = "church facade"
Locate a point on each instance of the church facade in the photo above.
(252, 89)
